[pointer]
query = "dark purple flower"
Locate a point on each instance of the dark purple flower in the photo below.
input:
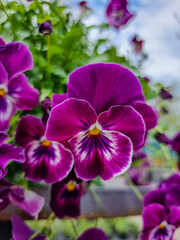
(158, 224)
(9, 152)
(162, 138)
(139, 175)
(46, 27)
(27, 200)
(93, 234)
(137, 44)
(20, 231)
(167, 193)
(164, 110)
(83, 3)
(139, 155)
(45, 160)
(65, 199)
(46, 107)
(117, 13)
(146, 79)
(165, 94)
(101, 135)
(175, 143)
(15, 91)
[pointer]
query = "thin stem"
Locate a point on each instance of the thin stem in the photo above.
(165, 152)
(74, 227)
(98, 201)
(48, 48)
(134, 188)
(9, 19)
(47, 223)
(40, 7)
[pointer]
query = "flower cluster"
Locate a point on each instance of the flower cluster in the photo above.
(161, 214)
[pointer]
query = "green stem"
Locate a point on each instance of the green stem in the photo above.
(98, 201)
(48, 49)
(40, 7)
(134, 188)
(165, 152)
(74, 227)
(9, 19)
(48, 222)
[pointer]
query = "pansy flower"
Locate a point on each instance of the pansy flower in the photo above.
(46, 27)
(45, 160)
(9, 152)
(15, 91)
(93, 233)
(104, 118)
(164, 94)
(20, 231)
(117, 13)
(27, 200)
(158, 224)
(66, 196)
(137, 44)
(167, 194)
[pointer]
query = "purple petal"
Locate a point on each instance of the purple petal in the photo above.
(149, 116)
(7, 110)
(93, 233)
(126, 120)
(176, 143)
(2, 42)
(173, 196)
(162, 138)
(27, 200)
(153, 215)
(21, 231)
(4, 76)
(3, 137)
(24, 96)
(106, 155)
(46, 106)
(4, 197)
(69, 118)
(16, 58)
(173, 217)
(173, 179)
(65, 202)
(104, 85)
(49, 163)
(58, 98)
(29, 128)
(8, 153)
(154, 196)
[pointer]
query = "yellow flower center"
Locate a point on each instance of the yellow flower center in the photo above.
(94, 132)
(2, 93)
(45, 143)
(71, 186)
(161, 226)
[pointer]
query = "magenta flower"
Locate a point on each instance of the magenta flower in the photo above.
(117, 13)
(46, 27)
(167, 193)
(27, 200)
(20, 231)
(15, 91)
(102, 136)
(9, 152)
(159, 225)
(137, 44)
(45, 160)
(65, 198)
(164, 94)
(93, 233)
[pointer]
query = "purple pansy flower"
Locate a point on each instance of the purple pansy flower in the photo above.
(46, 107)
(15, 91)
(45, 160)
(159, 225)
(167, 193)
(137, 44)
(165, 94)
(27, 200)
(93, 233)
(9, 152)
(162, 138)
(102, 136)
(20, 231)
(117, 13)
(46, 27)
(65, 198)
